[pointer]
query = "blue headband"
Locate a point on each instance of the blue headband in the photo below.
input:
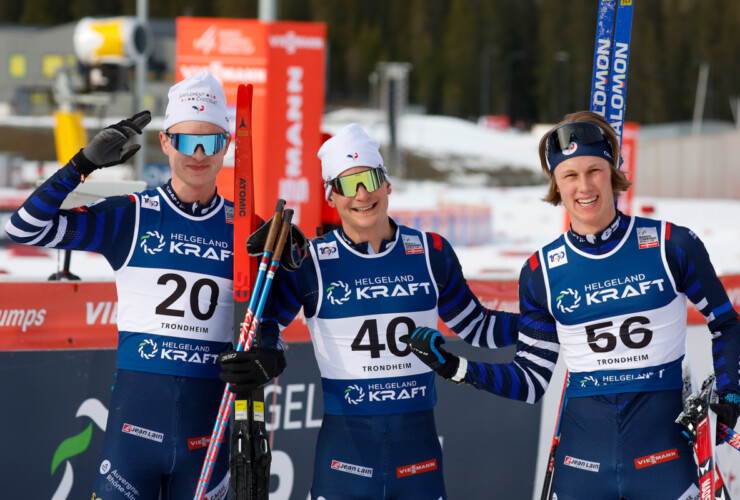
(577, 139)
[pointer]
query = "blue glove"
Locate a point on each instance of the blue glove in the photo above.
(426, 344)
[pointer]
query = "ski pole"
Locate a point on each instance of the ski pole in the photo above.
(227, 398)
(547, 486)
(251, 456)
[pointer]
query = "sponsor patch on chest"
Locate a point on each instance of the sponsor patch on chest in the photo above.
(412, 244)
(557, 257)
(647, 237)
(327, 250)
(150, 202)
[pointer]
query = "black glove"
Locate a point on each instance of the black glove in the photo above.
(727, 410)
(107, 147)
(294, 251)
(248, 370)
(426, 344)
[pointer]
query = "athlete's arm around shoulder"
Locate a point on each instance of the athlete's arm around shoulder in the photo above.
(537, 348)
(458, 306)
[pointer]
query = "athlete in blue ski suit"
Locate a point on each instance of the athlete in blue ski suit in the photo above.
(610, 294)
(171, 249)
(363, 287)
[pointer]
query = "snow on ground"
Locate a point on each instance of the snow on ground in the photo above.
(444, 137)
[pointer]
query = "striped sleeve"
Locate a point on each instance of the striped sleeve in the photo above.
(291, 292)
(97, 227)
(694, 275)
(460, 309)
(527, 377)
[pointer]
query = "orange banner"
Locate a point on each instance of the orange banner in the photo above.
(284, 61)
(67, 315)
(58, 315)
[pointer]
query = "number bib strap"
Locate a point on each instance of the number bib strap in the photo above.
(379, 396)
(169, 355)
(663, 377)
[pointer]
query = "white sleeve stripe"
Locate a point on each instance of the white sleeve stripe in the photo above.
(41, 236)
(549, 365)
(540, 344)
(542, 383)
(458, 319)
(60, 233)
(30, 219)
(14, 231)
(489, 332)
(702, 304)
(531, 384)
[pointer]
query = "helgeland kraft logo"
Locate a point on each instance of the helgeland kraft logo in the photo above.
(152, 242)
(568, 300)
(354, 394)
(148, 349)
(338, 293)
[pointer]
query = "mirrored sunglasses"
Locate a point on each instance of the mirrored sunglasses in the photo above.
(583, 132)
(188, 143)
(347, 185)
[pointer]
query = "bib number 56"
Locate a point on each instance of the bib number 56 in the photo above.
(634, 337)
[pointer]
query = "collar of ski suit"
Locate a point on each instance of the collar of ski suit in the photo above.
(603, 241)
(364, 246)
(195, 209)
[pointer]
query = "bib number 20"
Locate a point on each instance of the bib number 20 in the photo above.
(633, 337)
(367, 338)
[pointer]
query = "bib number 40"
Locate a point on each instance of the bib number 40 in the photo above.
(633, 337)
(367, 338)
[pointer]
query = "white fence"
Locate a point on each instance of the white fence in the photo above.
(689, 166)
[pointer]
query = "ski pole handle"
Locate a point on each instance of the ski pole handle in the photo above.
(284, 231)
(274, 227)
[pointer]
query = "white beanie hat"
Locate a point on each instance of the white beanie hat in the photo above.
(350, 148)
(197, 98)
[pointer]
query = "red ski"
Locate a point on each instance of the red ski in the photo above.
(249, 463)
(695, 418)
